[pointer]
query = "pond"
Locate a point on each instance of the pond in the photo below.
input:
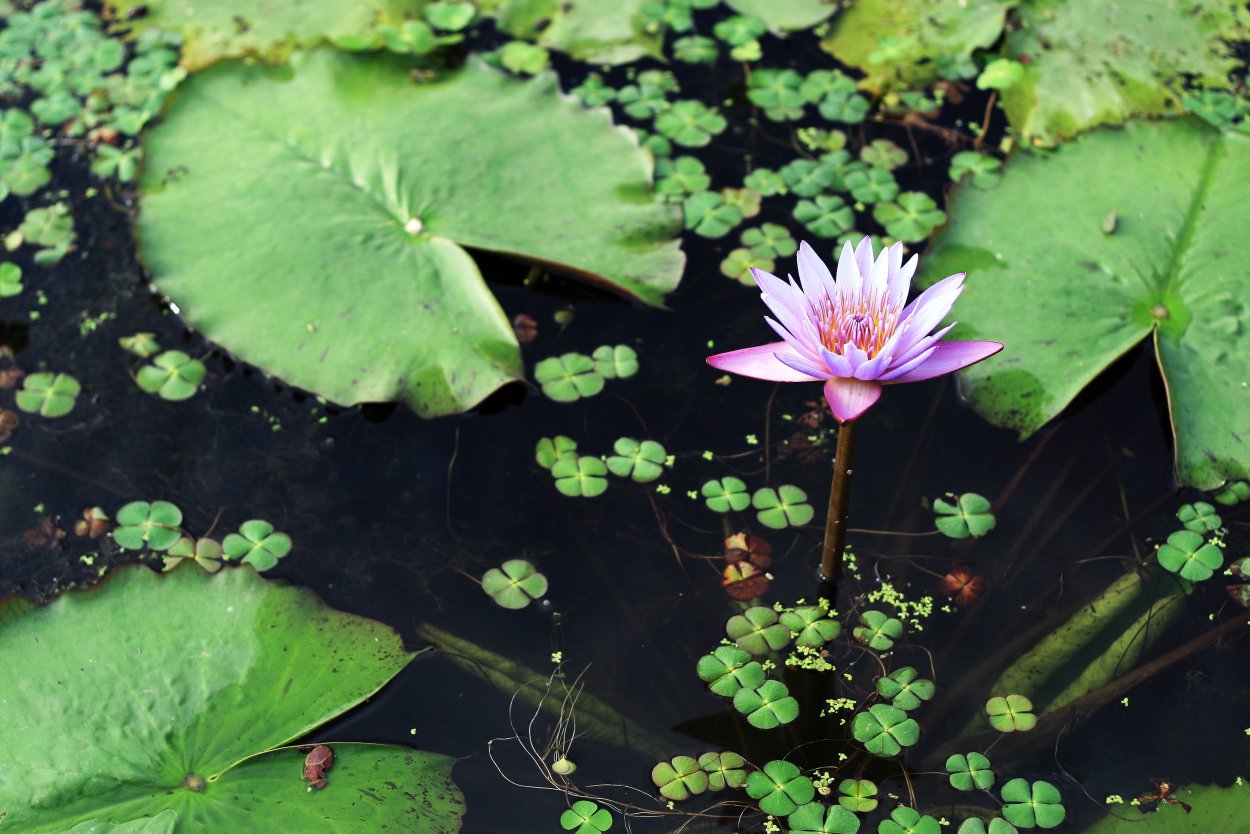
(1063, 523)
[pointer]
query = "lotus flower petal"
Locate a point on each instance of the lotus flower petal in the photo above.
(850, 398)
(948, 357)
(760, 362)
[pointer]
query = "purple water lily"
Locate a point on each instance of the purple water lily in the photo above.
(855, 333)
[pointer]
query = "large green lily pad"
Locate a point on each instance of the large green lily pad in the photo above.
(1153, 246)
(595, 31)
(217, 29)
(310, 218)
(1212, 808)
(1083, 72)
(786, 15)
(133, 695)
(910, 43)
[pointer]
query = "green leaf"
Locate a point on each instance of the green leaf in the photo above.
(257, 544)
(10, 279)
(690, 123)
(1187, 554)
(807, 177)
(878, 631)
(770, 240)
(739, 262)
(740, 30)
(811, 625)
(976, 825)
(1200, 517)
(523, 58)
(231, 668)
(871, 185)
(882, 153)
(982, 169)
(643, 462)
(1038, 805)
(568, 378)
(970, 772)
(858, 795)
(695, 49)
(826, 215)
(910, 43)
(905, 689)
(904, 820)
(783, 507)
(728, 493)
(729, 669)
(48, 394)
(885, 730)
(758, 631)
(549, 450)
(815, 818)
(1074, 301)
(173, 375)
(780, 788)
(1013, 713)
(580, 477)
(969, 515)
(1232, 493)
(768, 706)
(708, 215)
(679, 779)
(593, 31)
(785, 15)
(1000, 74)
(724, 770)
(154, 525)
(615, 361)
(911, 217)
(375, 214)
(1211, 808)
(777, 91)
(586, 817)
(514, 584)
(449, 16)
(1083, 73)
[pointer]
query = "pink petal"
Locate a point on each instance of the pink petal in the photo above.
(900, 281)
(929, 308)
(848, 269)
(948, 357)
(850, 398)
(863, 256)
(759, 362)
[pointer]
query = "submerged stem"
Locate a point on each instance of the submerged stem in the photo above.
(839, 502)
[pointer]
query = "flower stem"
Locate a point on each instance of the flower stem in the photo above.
(839, 502)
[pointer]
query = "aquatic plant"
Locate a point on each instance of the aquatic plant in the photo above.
(965, 515)
(586, 817)
(514, 584)
(257, 543)
(152, 525)
(48, 394)
(1011, 713)
(172, 375)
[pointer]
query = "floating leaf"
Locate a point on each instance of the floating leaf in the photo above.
(882, 153)
(738, 263)
(904, 820)
(885, 730)
(551, 449)
(905, 689)
(1000, 74)
(1232, 493)
(173, 375)
(232, 668)
(968, 515)
(1200, 517)
(586, 817)
(10, 279)
(784, 507)
(740, 30)
(142, 345)
(615, 361)
(1011, 713)
(568, 378)
(858, 795)
(256, 543)
(376, 215)
(724, 770)
(785, 15)
(449, 16)
(777, 92)
(870, 185)
(807, 177)
(877, 630)
(728, 493)
(811, 625)
(1207, 808)
(982, 169)
(1189, 555)
(206, 553)
(826, 215)
(695, 49)
(580, 477)
(708, 215)
(48, 394)
(729, 669)
(1038, 805)
(679, 779)
(681, 177)
(911, 217)
(970, 772)
(643, 462)
(523, 58)
(998, 825)
(1073, 303)
(815, 818)
(768, 706)
(154, 525)
(780, 788)
(758, 631)
(514, 584)
(770, 240)
(1082, 73)
(690, 123)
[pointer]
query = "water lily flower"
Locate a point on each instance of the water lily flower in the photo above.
(854, 333)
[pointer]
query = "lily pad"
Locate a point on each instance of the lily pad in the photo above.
(1028, 805)
(1082, 73)
(785, 15)
(968, 515)
(1073, 298)
(641, 461)
(783, 507)
(1211, 808)
(514, 584)
(780, 788)
(231, 668)
(173, 375)
(1187, 554)
(48, 394)
(256, 543)
(885, 730)
(154, 525)
(362, 291)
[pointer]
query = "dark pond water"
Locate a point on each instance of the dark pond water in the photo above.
(389, 513)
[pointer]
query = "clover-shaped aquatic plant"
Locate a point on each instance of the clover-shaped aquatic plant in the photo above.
(678, 178)
(142, 345)
(770, 240)
(981, 169)
(780, 788)
(1232, 493)
(690, 123)
(758, 630)
(911, 217)
(776, 91)
(997, 825)
(1037, 805)
(1200, 517)
(904, 820)
(728, 669)
(858, 795)
(580, 477)
(569, 377)
(707, 214)
(48, 394)
(967, 515)
(905, 689)
(1012, 713)
(885, 730)
(783, 507)
(882, 153)
(871, 185)
(825, 215)
(206, 553)
(514, 584)
(172, 375)
(877, 630)
(969, 772)
(586, 817)
(767, 706)
(695, 49)
(724, 770)
(807, 177)
(615, 361)
(154, 525)
(728, 493)
(816, 818)
(642, 461)
(811, 625)
(679, 779)
(10, 279)
(1190, 556)
(551, 449)
(739, 263)
(450, 16)
(257, 544)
